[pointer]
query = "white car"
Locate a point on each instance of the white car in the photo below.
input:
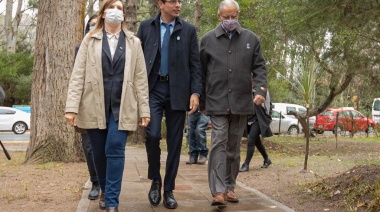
(285, 108)
(289, 124)
(15, 120)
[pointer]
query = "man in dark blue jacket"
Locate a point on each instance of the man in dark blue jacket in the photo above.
(172, 59)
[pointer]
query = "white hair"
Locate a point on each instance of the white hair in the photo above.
(227, 3)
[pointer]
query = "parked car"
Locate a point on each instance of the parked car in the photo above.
(349, 119)
(15, 120)
(285, 108)
(289, 124)
(376, 110)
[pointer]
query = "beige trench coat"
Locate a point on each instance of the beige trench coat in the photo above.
(86, 92)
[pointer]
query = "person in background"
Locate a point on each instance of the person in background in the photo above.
(230, 57)
(197, 138)
(95, 189)
(108, 95)
(258, 124)
(171, 53)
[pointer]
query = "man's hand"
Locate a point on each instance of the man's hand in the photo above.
(71, 118)
(258, 100)
(144, 121)
(194, 102)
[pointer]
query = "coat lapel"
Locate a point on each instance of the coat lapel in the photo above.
(157, 30)
(120, 47)
(105, 46)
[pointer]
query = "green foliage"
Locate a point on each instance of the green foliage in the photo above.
(33, 4)
(187, 11)
(23, 89)
(209, 18)
(305, 77)
(278, 85)
(16, 77)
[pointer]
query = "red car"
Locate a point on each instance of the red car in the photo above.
(348, 120)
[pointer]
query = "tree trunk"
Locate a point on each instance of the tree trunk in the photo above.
(131, 18)
(90, 8)
(11, 27)
(59, 30)
(8, 27)
(154, 9)
(137, 137)
(16, 24)
(197, 14)
(307, 141)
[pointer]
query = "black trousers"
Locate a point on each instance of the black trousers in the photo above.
(254, 140)
(159, 102)
(89, 157)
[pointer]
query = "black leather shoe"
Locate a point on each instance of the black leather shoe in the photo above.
(155, 193)
(112, 209)
(102, 202)
(95, 191)
(191, 161)
(267, 162)
(244, 168)
(169, 201)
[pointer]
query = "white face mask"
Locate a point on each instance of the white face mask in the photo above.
(114, 16)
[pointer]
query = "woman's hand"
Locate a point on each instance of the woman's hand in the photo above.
(144, 122)
(71, 118)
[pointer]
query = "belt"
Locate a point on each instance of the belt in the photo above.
(163, 78)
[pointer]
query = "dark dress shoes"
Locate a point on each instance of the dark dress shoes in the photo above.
(155, 193)
(244, 168)
(112, 209)
(191, 161)
(95, 191)
(169, 201)
(102, 201)
(267, 162)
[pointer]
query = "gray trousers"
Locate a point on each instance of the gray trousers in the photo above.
(224, 155)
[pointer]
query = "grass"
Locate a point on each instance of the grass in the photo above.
(48, 166)
(16, 163)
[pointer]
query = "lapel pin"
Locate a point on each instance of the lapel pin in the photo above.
(178, 38)
(248, 46)
(121, 48)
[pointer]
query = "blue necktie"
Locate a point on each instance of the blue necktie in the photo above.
(164, 67)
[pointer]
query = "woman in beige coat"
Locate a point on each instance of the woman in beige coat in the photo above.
(108, 95)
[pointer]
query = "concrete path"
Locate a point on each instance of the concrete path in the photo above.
(192, 192)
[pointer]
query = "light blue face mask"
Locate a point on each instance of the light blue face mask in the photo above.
(91, 28)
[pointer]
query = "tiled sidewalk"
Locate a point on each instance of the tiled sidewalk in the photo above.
(192, 192)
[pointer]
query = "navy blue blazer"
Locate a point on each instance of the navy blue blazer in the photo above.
(184, 62)
(113, 75)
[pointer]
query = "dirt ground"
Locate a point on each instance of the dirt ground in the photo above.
(287, 182)
(58, 186)
(47, 187)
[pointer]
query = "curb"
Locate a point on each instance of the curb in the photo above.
(263, 196)
(84, 202)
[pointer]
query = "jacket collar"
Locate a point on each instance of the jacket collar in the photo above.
(156, 20)
(219, 31)
(99, 34)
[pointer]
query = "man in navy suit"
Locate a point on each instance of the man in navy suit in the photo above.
(175, 84)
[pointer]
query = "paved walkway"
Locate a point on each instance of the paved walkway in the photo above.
(192, 192)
